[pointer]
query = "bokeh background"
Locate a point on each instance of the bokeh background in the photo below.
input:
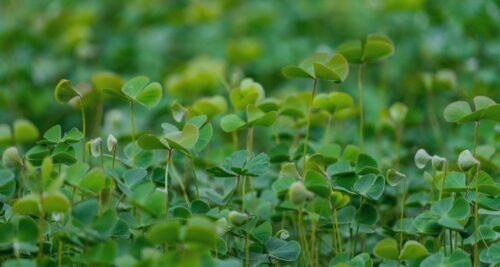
(198, 47)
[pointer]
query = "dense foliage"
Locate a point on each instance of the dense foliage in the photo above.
(250, 133)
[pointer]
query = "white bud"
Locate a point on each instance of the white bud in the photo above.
(466, 160)
(95, 147)
(422, 158)
(438, 162)
(11, 157)
(111, 143)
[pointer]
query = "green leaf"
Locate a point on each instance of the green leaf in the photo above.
(371, 186)
(335, 70)
(151, 95)
(394, 177)
(94, 181)
(457, 259)
(7, 184)
(25, 131)
(55, 202)
(53, 134)
(201, 231)
(138, 89)
(165, 233)
(282, 250)
(184, 140)
(65, 91)
(296, 72)
(491, 255)
(262, 232)
(205, 135)
(455, 111)
(387, 249)
(377, 47)
(231, 123)
(413, 250)
(455, 182)
(281, 185)
(352, 50)
(28, 204)
(317, 183)
(150, 142)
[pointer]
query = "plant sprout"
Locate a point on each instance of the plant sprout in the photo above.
(138, 90)
(318, 66)
(374, 48)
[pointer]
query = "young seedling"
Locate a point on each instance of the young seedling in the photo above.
(64, 93)
(138, 90)
(484, 109)
(397, 114)
(318, 66)
(174, 139)
(393, 178)
(298, 194)
(466, 161)
(374, 48)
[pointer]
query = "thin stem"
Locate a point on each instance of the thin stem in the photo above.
(476, 216)
(84, 129)
(327, 137)
(41, 226)
(243, 191)
(433, 185)
(235, 140)
(443, 180)
(306, 140)
(398, 146)
(132, 129)
(247, 249)
(431, 113)
(193, 166)
(250, 141)
(169, 157)
(305, 249)
(401, 218)
(360, 104)
(476, 130)
(357, 226)
(232, 192)
(339, 237)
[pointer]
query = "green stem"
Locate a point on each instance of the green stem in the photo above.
(306, 141)
(357, 226)
(132, 129)
(84, 129)
(243, 191)
(169, 157)
(443, 180)
(398, 146)
(403, 195)
(432, 186)
(360, 104)
(41, 230)
(305, 249)
(431, 113)
(476, 216)
(327, 137)
(232, 192)
(59, 252)
(339, 237)
(193, 166)
(476, 131)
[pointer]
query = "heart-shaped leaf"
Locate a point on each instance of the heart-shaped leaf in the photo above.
(138, 89)
(413, 250)
(335, 70)
(387, 249)
(65, 92)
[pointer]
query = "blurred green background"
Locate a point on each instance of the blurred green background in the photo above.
(196, 47)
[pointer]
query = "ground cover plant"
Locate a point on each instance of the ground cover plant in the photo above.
(215, 167)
